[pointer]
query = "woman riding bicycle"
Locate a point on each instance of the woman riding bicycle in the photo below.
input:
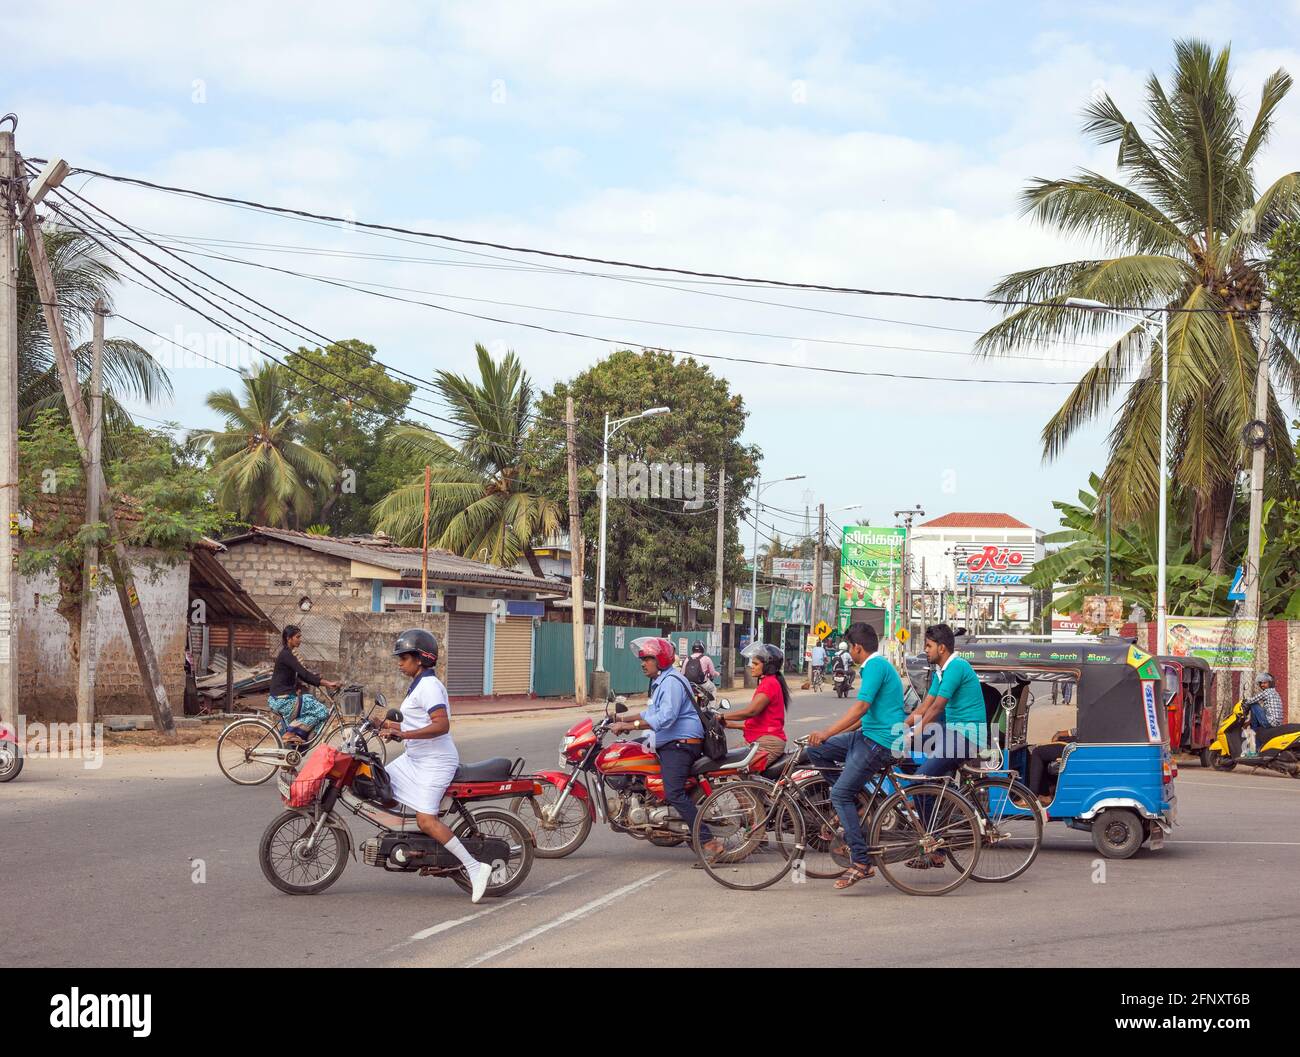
(763, 720)
(299, 719)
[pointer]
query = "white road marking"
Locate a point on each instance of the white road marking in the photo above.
(1270, 843)
(1229, 785)
(445, 926)
(564, 919)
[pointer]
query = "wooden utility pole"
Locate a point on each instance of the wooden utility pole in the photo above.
(8, 431)
(119, 563)
(424, 556)
(575, 559)
(1251, 570)
(90, 565)
(717, 568)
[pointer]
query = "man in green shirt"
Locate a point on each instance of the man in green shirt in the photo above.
(865, 740)
(952, 717)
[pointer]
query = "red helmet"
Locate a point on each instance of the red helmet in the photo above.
(660, 649)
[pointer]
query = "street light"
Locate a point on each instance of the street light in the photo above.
(759, 485)
(1147, 324)
(610, 429)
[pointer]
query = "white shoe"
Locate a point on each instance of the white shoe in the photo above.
(479, 878)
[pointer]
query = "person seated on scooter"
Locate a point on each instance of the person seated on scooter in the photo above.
(420, 776)
(865, 740)
(289, 672)
(763, 719)
(1266, 708)
(699, 669)
(679, 734)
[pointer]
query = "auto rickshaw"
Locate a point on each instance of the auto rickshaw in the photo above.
(1115, 775)
(1188, 691)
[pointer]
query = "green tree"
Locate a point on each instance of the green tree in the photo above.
(1188, 230)
(657, 549)
(265, 472)
(353, 433)
(485, 499)
(82, 274)
(162, 495)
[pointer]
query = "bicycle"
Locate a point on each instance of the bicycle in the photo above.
(818, 676)
(251, 749)
(762, 826)
(1011, 822)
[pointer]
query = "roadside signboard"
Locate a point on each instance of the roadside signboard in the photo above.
(870, 560)
(1219, 641)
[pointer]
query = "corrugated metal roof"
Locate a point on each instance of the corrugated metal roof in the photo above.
(444, 566)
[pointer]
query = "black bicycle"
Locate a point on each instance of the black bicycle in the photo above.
(924, 836)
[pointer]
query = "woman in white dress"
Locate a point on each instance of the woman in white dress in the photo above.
(421, 775)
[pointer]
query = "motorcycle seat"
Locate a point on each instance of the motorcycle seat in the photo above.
(706, 763)
(773, 769)
(496, 769)
(1267, 734)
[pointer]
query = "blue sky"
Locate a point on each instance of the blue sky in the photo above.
(879, 145)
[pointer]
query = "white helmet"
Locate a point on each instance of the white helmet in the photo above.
(843, 646)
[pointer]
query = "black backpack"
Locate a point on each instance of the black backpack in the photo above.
(694, 670)
(715, 735)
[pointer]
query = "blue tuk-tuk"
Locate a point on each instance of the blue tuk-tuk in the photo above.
(1113, 775)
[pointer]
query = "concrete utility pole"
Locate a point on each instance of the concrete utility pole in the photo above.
(818, 558)
(575, 558)
(90, 564)
(907, 516)
(8, 429)
(717, 571)
(1251, 569)
(119, 563)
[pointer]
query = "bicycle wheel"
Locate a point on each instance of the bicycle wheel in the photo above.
(929, 821)
(1013, 828)
(238, 743)
(825, 856)
(761, 834)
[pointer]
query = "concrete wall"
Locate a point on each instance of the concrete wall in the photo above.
(366, 651)
(47, 670)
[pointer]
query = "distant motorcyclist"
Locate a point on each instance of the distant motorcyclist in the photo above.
(699, 668)
(843, 664)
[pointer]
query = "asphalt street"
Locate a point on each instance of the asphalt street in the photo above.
(99, 869)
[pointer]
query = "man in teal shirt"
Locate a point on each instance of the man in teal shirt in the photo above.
(865, 740)
(952, 719)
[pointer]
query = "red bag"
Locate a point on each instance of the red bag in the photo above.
(306, 786)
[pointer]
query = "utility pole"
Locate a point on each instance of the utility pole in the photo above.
(8, 429)
(717, 571)
(818, 558)
(907, 516)
(90, 565)
(1251, 570)
(575, 558)
(119, 563)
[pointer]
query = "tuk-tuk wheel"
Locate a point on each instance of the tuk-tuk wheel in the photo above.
(1117, 833)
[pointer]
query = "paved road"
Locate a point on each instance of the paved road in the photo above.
(97, 870)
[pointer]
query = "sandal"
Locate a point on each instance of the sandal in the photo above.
(924, 862)
(714, 854)
(855, 873)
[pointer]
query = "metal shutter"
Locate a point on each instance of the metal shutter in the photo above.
(466, 641)
(512, 657)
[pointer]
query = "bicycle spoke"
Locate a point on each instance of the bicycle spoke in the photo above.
(761, 834)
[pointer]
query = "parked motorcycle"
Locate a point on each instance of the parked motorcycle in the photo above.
(305, 848)
(1276, 748)
(619, 784)
(11, 754)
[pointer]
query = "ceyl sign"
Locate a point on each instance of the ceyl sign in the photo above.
(993, 565)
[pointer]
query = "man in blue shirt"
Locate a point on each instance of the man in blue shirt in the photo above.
(865, 739)
(679, 734)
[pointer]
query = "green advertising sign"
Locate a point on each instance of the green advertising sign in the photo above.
(870, 563)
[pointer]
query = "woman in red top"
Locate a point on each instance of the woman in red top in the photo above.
(763, 721)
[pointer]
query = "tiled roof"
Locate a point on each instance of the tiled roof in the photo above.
(975, 520)
(405, 561)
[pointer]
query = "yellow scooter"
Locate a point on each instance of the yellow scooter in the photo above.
(1276, 748)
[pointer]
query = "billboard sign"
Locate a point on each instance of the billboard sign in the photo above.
(870, 560)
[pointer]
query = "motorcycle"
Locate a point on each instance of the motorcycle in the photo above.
(11, 754)
(842, 680)
(619, 784)
(305, 849)
(1277, 748)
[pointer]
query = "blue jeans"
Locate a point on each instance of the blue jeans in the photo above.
(1258, 718)
(675, 761)
(862, 758)
(945, 757)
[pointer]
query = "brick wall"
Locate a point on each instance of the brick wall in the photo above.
(277, 575)
(366, 651)
(47, 669)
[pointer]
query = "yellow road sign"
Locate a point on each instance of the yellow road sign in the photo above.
(903, 635)
(822, 629)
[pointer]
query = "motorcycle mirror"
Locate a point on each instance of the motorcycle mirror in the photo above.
(381, 701)
(619, 707)
(724, 705)
(393, 715)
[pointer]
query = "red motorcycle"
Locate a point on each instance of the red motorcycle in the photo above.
(619, 784)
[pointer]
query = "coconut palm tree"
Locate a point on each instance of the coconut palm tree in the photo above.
(1186, 230)
(483, 501)
(82, 274)
(265, 474)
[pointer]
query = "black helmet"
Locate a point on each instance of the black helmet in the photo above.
(698, 647)
(420, 642)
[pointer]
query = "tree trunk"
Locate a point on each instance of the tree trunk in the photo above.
(1220, 501)
(533, 563)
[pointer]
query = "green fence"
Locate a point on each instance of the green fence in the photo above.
(553, 660)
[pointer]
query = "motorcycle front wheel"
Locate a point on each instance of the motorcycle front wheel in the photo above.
(293, 868)
(11, 760)
(507, 874)
(560, 836)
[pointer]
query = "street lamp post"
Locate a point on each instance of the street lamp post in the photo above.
(610, 429)
(759, 485)
(1162, 609)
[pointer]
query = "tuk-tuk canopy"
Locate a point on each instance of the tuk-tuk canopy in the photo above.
(1116, 692)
